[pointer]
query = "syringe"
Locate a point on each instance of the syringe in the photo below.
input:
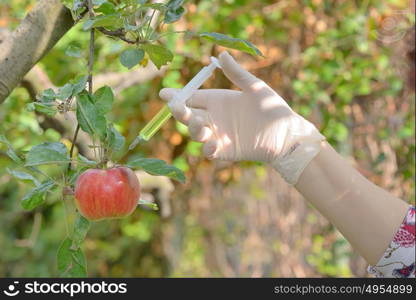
(185, 93)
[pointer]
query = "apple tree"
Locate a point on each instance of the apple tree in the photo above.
(141, 24)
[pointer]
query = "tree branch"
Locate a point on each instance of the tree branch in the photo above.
(33, 38)
(119, 33)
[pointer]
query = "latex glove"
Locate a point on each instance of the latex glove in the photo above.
(252, 124)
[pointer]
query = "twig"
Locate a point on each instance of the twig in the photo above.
(90, 65)
(119, 33)
(71, 151)
(91, 55)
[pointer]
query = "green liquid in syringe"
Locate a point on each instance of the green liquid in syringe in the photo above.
(155, 123)
(164, 114)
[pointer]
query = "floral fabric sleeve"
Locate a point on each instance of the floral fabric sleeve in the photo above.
(399, 258)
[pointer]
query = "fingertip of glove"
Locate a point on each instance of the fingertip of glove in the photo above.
(167, 93)
(225, 58)
(223, 54)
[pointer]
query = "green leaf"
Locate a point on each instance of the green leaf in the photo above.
(77, 8)
(79, 85)
(103, 99)
(30, 107)
(157, 6)
(67, 3)
(110, 21)
(65, 92)
(71, 263)
(10, 151)
(159, 55)
(89, 118)
(47, 96)
(4, 140)
(86, 160)
(174, 4)
(106, 8)
(174, 11)
(157, 167)
(173, 14)
(70, 89)
(115, 139)
(12, 154)
(23, 176)
(81, 227)
(47, 153)
(49, 93)
(46, 109)
(131, 57)
(36, 196)
(233, 43)
(73, 51)
(131, 28)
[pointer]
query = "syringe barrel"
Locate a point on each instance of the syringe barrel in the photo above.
(155, 123)
(195, 83)
(185, 93)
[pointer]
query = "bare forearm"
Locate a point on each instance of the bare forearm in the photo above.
(365, 214)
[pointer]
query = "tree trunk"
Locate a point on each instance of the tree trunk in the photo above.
(40, 30)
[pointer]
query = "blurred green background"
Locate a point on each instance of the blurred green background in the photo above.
(342, 64)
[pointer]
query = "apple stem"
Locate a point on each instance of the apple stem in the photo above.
(103, 163)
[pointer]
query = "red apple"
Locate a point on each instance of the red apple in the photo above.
(103, 194)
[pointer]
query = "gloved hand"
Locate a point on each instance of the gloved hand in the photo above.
(252, 124)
